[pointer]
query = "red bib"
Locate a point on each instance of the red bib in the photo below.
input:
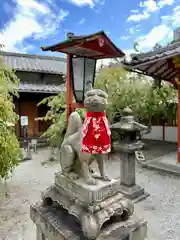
(96, 133)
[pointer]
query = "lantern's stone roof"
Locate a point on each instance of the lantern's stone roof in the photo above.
(34, 63)
(158, 63)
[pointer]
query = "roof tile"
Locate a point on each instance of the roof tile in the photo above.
(43, 88)
(34, 63)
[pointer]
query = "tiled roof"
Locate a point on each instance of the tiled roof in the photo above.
(157, 63)
(41, 88)
(168, 51)
(34, 63)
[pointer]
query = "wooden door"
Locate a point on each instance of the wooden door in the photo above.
(29, 109)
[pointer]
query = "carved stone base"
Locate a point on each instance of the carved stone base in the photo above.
(91, 205)
(135, 193)
(86, 194)
(54, 223)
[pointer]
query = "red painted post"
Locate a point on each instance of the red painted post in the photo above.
(69, 93)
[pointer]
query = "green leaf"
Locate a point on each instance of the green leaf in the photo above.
(10, 153)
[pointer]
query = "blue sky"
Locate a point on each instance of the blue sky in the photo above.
(28, 24)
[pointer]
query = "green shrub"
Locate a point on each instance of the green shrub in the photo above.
(10, 154)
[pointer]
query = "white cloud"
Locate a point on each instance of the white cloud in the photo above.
(90, 3)
(176, 16)
(31, 4)
(51, 24)
(31, 19)
(134, 11)
(172, 20)
(108, 61)
(163, 3)
(133, 29)
(148, 7)
(125, 37)
(128, 51)
(105, 62)
(81, 21)
(177, 8)
(138, 17)
(25, 48)
(82, 3)
(157, 34)
(162, 33)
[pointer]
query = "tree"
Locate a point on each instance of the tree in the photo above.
(149, 105)
(10, 154)
(136, 47)
(57, 115)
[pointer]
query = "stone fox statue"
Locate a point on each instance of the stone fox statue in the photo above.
(74, 160)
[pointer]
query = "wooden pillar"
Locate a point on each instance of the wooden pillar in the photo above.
(69, 93)
(179, 124)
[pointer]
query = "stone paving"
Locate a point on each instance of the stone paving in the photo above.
(161, 209)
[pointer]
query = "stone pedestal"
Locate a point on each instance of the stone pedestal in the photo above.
(92, 205)
(128, 184)
(96, 211)
(54, 223)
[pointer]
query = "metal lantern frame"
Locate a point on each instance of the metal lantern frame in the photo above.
(83, 80)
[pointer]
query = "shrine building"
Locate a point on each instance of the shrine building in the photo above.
(40, 77)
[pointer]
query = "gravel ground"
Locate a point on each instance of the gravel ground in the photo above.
(161, 209)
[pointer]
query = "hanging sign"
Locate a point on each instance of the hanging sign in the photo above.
(24, 120)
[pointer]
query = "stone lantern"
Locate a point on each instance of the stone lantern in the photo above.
(128, 131)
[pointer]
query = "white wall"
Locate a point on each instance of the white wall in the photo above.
(155, 134)
(170, 133)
